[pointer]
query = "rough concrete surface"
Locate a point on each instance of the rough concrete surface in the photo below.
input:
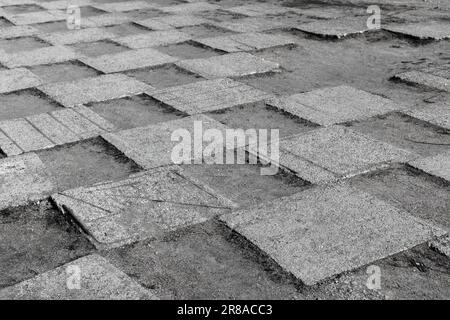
(224, 149)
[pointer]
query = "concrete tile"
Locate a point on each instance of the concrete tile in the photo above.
(45, 55)
(63, 4)
(144, 206)
(438, 165)
(63, 71)
(100, 88)
(229, 65)
(254, 24)
(422, 30)
(17, 79)
(424, 79)
(335, 28)
(17, 31)
(260, 9)
(327, 153)
(37, 17)
(23, 178)
(189, 8)
(75, 36)
(103, 20)
(153, 39)
(325, 231)
(53, 129)
(335, 105)
(78, 124)
(124, 6)
(128, 60)
(247, 42)
(99, 280)
(151, 146)
(8, 147)
(204, 96)
(25, 135)
(170, 22)
(436, 114)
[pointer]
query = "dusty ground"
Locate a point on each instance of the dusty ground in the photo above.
(208, 259)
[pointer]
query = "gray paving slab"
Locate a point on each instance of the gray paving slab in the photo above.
(132, 59)
(17, 79)
(422, 30)
(153, 39)
(52, 128)
(23, 178)
(171, 22)
(152, 146)
(47, 55)
(337, 152)
(251, 24)
(436, 114)
(335, 105)
(260, 9)
(247, 42)
(78, 124)
(25, 135)
(336, 28)
(8, 147)
(144, 206)
(124, 6)
(205, 96)
(17, 31)
(442, 245)
(98, 280)
(63, 4)
(438, 165)
(76, 36)
(325, 231)
(101, 88)
(424, 79)
(229, 65)
(189, 8)
(107, 19)
(37, 17)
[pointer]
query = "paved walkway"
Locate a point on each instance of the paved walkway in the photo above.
(93, 206)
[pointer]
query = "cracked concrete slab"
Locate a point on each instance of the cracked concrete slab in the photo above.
(152, 146)
(105, 87)
(334, 105)
(144, 206)
(204, 96)
(99, 280)
(247, 42)
(229, 65)
(153, 39)
(47, 55)
(23, 178)
(17, 79)
(128, 60)
(325, 231)
(336, 28)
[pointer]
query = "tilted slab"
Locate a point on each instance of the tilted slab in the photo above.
(76, 36)
(153, 39)
(424, 79)
(436, 114)
(132, 59)
(438, 165)
(108, 19)
(332, 153)
(144, 206)
(335, 105)
(229, 65)
(17, 79)
(189, 8)
(205, 96)
(17, 31)
(23, 178)
(37, 17)
(325, 231)
(171, 22)
(124, 6)
(254, 24)
(247, 42)
(152, 146)
(47, 55)
(422, 30)
(101, 88)
(63, 4)
(260, 9)
(335, 28)
(98, 280)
